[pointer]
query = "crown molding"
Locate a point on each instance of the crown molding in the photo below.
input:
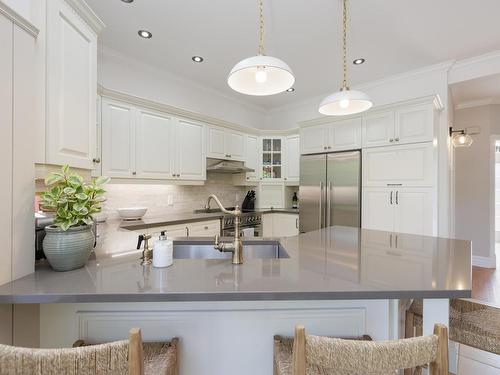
(176, 111)
(19, 20)
(433, 100)
(87, 14)
(477, 103)
(475, 67)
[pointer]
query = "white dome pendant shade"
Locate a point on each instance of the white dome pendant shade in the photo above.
(345, 102)
(261, 75)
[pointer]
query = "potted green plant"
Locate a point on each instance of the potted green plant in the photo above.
(69, 241)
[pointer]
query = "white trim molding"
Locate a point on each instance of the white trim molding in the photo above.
(477, 103)
(87, 14)
(19, 20)
(475, 67)
(484, 262)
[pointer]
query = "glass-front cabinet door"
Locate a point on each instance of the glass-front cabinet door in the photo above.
(272, 152)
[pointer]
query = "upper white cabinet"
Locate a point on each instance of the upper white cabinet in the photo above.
(155, 141)
(71, 86)
(378, 129)
(252, 157)
(190, 155)
(336, 136)
(225, 144)
(145, 144)
(292, 158)
(118, 139)
(313, 139)
(405, 165)
(410, 124)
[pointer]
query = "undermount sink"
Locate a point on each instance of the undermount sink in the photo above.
(205, 250)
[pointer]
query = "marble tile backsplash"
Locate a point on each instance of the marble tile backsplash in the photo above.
(183, 198)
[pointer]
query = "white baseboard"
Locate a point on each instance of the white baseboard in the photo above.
(485, 262)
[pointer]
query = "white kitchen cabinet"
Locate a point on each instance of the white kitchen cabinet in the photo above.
(277, 224)
(143, 144)
(271, 195)
(190, 157)
(71, 87)
(313, 139)
(410, 124)
(292, 158)
(118, 139)
(154, 142)
(344, 135)
(402, 210)
(207, 228)
(252, 157)
(378, 129)
(404, 165)
(204, 229)
(414, 124)
(225, 144)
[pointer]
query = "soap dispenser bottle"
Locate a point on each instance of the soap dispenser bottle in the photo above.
(163, 249)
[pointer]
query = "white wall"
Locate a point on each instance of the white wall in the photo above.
(474, 180)
(126, 75)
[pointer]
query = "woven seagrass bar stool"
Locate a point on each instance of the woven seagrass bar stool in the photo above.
(123, 357)
(316, 355)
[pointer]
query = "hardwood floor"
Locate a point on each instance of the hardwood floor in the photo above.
(486, 284)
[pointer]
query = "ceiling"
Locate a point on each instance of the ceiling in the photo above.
(393, 36)
(477, 90)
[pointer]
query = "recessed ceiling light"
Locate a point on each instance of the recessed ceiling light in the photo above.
(128, 1)
(358, 61)
(291, 89)
(145, 34)
(197, 59)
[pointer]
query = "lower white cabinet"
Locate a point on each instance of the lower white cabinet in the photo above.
(271, 195)
(207, 228)
(405, 165)
(280, 224)
(403, 210)
(146, 144)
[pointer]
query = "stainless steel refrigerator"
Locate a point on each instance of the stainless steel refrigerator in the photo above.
(330, 190)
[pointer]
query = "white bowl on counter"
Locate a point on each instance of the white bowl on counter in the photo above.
(132, 213)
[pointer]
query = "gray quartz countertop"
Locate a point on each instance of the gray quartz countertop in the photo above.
(188, 217)
(335, 263)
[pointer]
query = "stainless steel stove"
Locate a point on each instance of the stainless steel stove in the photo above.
(249, 219)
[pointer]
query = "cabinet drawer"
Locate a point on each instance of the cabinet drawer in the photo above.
(406, 165)
(204, 229)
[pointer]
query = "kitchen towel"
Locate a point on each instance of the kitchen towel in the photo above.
(248, 232)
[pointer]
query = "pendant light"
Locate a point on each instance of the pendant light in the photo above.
(346, 101)
(261, 75)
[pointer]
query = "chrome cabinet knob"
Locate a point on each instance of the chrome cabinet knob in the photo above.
(391, 140)
(396, 139)
(96, 160)
(329, 147)
(134, 173)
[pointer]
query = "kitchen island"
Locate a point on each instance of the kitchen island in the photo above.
(336, 281)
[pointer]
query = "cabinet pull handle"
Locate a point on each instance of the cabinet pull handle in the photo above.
(390, 240)
(391, 139)
(178, 175)
(173, 174)
(390, 199)
(96, 160)
(134, 173)
(206, 227)
(394, 184)
(396, 139)
(187, 232)
(297, 223)
(324, 147)
(329, 147)
(397, 200)
(397, 240)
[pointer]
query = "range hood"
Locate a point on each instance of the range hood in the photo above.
(227, 166)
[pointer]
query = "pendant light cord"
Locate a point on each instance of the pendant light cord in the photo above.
(344, 45)
(262, 50)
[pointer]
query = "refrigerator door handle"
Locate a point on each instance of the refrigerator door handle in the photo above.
(321, 204)
(328, 203)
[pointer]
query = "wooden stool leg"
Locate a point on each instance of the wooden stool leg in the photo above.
(409, 332)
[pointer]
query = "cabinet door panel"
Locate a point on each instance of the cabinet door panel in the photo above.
(414, 211)
(154, 145)
(378, 212)
(252, 156)
(118, 140)
(292, 158)
(313, 139)
(71, 88)
(414, 124)
(378, 129)
(191, 160)
(216, 143)
(405, 165)
(235, 145)
(271, 196)
(345, 135)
